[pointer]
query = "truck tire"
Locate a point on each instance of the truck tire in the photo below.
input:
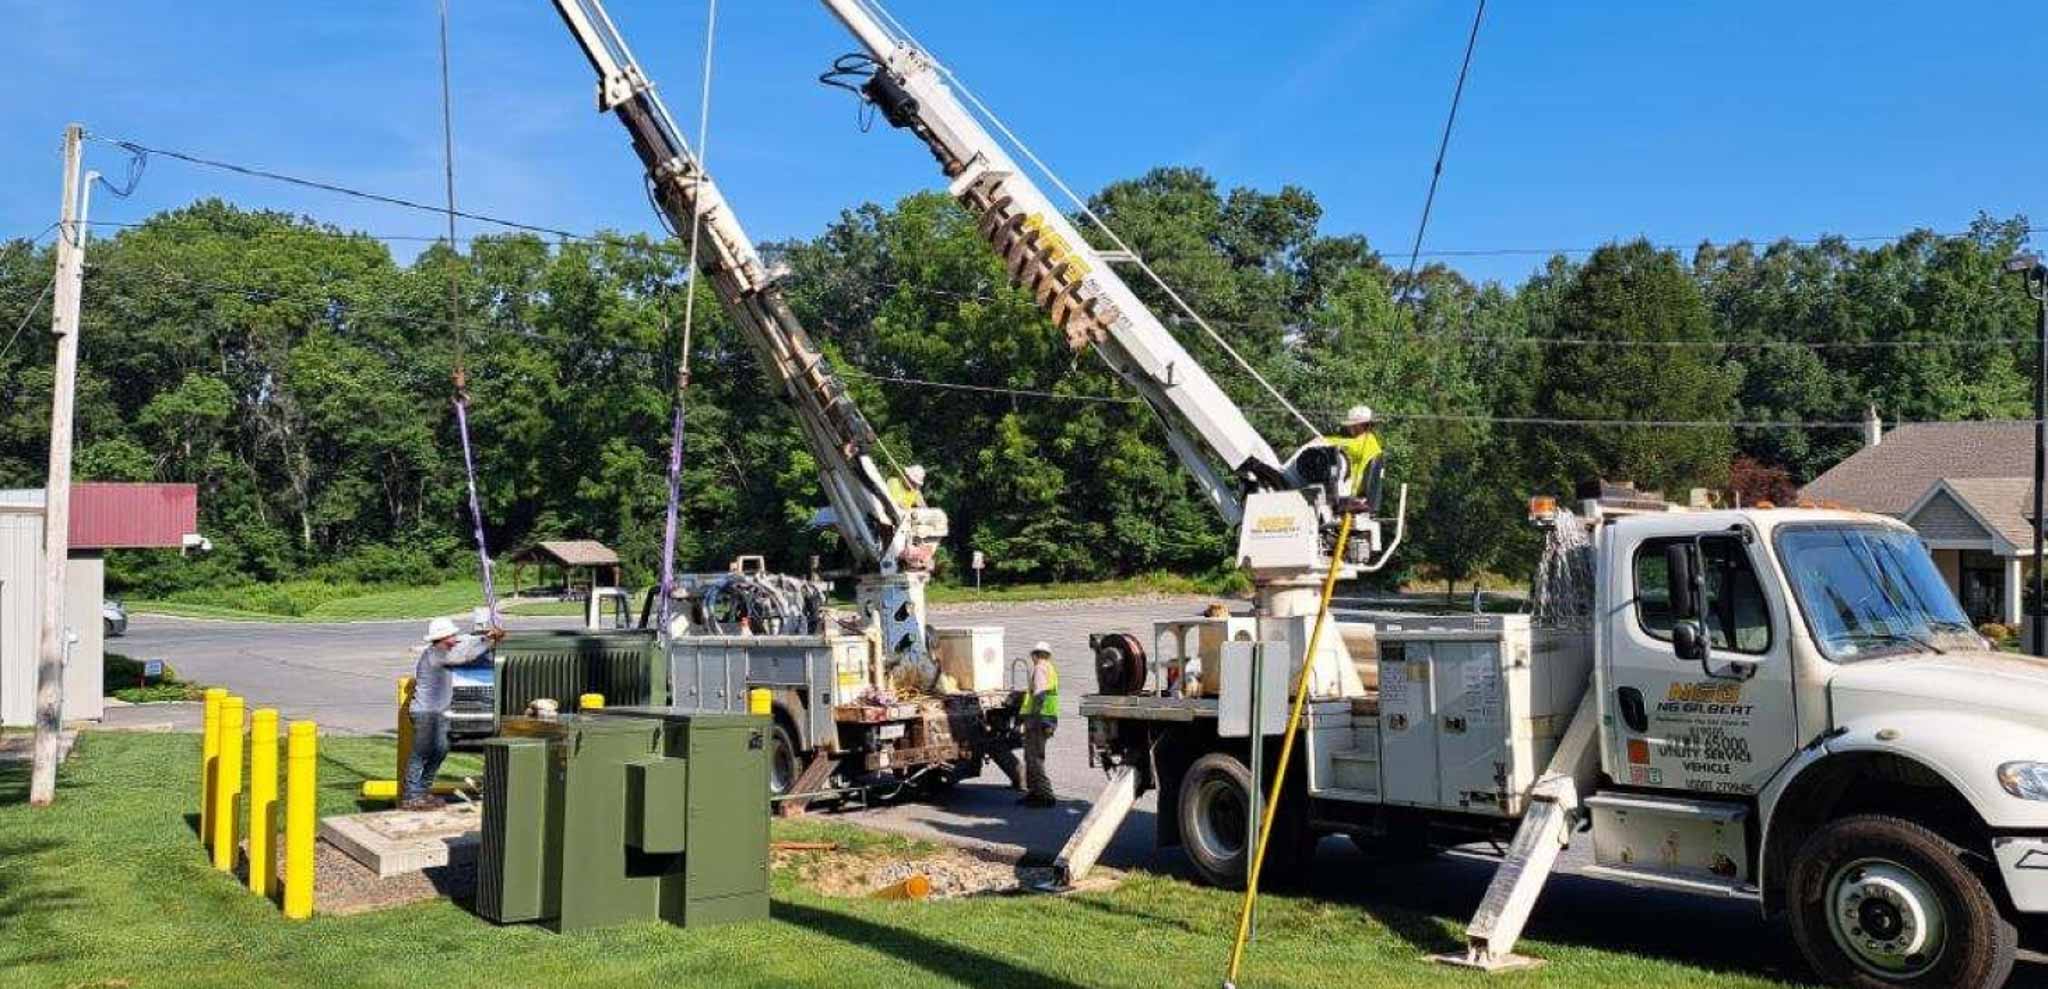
(785, 760)
(1878, 901)
(1214, 801)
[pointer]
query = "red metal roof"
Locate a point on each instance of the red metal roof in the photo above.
(132, 516)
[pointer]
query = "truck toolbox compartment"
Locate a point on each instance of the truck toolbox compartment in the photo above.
(1678, 836)
(1472, 706)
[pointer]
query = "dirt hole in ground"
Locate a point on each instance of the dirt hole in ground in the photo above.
(952, 873)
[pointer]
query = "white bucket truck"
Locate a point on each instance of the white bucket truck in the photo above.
(1783, 705)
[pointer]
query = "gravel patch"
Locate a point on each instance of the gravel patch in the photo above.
(343, 886)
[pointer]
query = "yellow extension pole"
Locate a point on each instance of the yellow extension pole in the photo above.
(404, 727)
(590, 702)
(1308, 665)
(301, 763)
(263, 802)
(760, 700)
(228, 786)
(209, 762)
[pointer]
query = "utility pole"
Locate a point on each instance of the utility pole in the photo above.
(70, 279)
(2030, 268)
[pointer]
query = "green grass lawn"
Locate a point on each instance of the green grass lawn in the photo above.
(1079, 590)
(319, 601)
(109, 888)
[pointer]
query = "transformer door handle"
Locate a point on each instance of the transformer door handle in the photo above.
(1632, 712)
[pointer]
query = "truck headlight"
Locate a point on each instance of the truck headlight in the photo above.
(2025, 780)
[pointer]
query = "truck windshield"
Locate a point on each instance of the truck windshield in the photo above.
(1871, 590)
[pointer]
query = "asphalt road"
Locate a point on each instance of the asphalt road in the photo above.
(342, 675)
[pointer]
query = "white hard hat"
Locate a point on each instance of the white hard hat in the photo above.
(1359, 415)
(915, 473)
(1041, 646)
(440, 628)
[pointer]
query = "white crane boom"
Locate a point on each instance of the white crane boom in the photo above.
(1292, 502)
(1045, 254)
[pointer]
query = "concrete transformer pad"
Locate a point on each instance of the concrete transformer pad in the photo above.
(395, 842)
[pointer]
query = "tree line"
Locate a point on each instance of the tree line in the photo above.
(300, 375)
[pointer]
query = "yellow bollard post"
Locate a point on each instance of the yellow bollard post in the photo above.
(760, 700)
(263, 802)
(404, 728)
(228, 785)
(209, 762)
(301, 762)
(590, 702)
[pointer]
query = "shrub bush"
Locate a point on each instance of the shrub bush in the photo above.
(1997, 632)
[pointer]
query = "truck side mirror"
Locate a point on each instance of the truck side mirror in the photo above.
(1687, 642)
(1678, 573)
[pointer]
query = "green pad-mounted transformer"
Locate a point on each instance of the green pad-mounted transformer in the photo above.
(623, 815)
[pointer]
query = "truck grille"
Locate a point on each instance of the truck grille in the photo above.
(471, 699)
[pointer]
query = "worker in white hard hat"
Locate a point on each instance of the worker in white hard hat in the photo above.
(908, 491)
(432, 690)
(1040, 714)
(1360, 443)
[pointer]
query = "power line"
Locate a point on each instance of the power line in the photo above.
(618, 349)
(1471, 338)
(1443, 147)
(848, 279)
(31, 314)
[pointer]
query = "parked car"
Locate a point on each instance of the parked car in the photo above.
(115, 617)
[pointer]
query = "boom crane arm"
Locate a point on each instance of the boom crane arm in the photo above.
(839, 437)
(1293, 503)
(1070, 280)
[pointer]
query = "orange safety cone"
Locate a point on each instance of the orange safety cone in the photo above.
(916, 887)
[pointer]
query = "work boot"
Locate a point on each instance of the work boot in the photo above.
(1034, 800)
(423, 803)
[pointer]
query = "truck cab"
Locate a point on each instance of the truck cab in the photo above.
(1816, 665)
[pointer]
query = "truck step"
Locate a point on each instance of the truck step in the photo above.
(1664, 880)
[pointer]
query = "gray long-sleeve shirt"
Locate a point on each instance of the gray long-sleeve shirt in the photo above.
(432, 686)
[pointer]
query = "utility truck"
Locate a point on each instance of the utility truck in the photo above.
(876, 696)
(1784, 705)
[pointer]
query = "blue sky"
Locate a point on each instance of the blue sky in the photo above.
(1581, 123)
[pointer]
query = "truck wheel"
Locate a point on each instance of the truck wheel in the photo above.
(1878, 901)
(785, 763)
(1215, 799)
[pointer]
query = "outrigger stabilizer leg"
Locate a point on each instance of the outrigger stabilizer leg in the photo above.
(1545, 831)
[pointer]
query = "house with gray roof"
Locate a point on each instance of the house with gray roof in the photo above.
(1966, 487)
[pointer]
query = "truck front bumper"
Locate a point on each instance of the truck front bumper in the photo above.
(2023, 863)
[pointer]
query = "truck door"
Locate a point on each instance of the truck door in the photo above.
(1721, 726)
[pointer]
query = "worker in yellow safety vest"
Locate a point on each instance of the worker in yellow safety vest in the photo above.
(908, 491)
(1040, 713)
(1361, 446)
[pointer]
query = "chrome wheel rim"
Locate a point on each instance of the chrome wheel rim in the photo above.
(1887, 918)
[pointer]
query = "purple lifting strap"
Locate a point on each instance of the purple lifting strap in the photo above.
(668, 538)
(476, 512)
